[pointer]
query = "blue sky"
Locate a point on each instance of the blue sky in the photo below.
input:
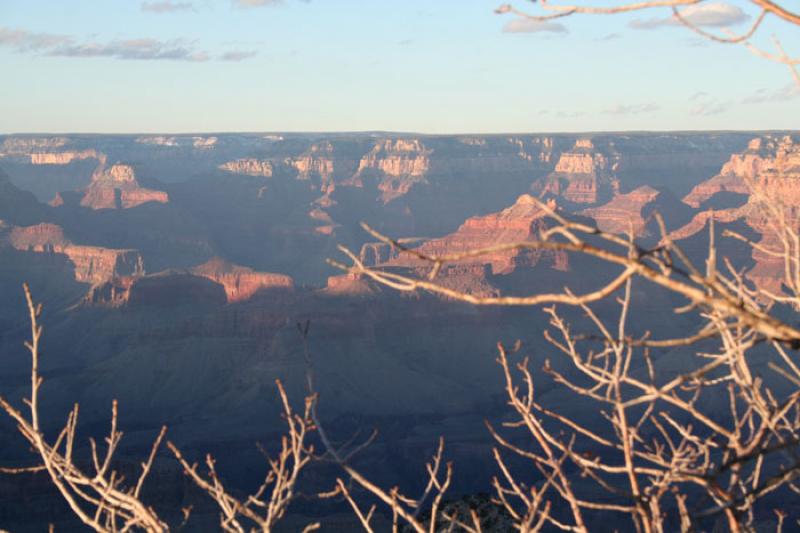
(352, 65)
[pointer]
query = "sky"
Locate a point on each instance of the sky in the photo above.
(443, 66)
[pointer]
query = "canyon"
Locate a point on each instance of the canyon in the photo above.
(174, 269)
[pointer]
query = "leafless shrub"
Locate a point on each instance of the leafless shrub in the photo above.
(100, 499)
(261, 510)
(666, 455)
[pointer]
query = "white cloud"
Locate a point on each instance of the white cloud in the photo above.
(526, 25)
(714, 14)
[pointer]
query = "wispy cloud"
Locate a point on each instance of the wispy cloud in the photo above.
(26, 42)
(714, 14)
(238, 55)
(763, 96)
(609, 37)
(526, 25)
(167, 6)
(709, 108)
(570, 114)
(631, 109)
(254, 3)
(561, 113)
(133, 49)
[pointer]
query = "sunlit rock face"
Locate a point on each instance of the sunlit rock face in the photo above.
(92, 264)
(63, 158)
(582, 175)
(240, 283)
(523, 221)
(249, 167)
(763, 156)
(397, 164)
(316, 164)
(518, 223)
(768, 170)
(117, 188)
(624, 213)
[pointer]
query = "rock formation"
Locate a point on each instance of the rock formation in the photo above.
(117, 188)
(521, 222)
(63, 158)
(582, 175)
(249, 167)
(240, 283)
(316, 164)
(624, 211)
(25, 145)
(93, 264)
(768, 169)
(536, 149)
(204, 143)
(397, 164)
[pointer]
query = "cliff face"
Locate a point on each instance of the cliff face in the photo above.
(770, 167)
(249, 167)
(582, 175)
(763, 156)
(26, 145)
(63, 158)
(200, 285)
(172, 141)
(521, 222)
(398, 164)
(316, 165)
(240, 283)
(92, 264)
(624, 211)
(117, 188)
(537, 149)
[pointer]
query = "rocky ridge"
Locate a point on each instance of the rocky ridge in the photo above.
(117, 188)
(770, 166)
(92, 264)
(582, 175)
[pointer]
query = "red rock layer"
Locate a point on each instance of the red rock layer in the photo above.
(117, 188)
(240, 283)
(771, 167)
(623, 212)
(93, 264)
(518, 223)
(763, 155)
(581, 175)
(349, 285)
